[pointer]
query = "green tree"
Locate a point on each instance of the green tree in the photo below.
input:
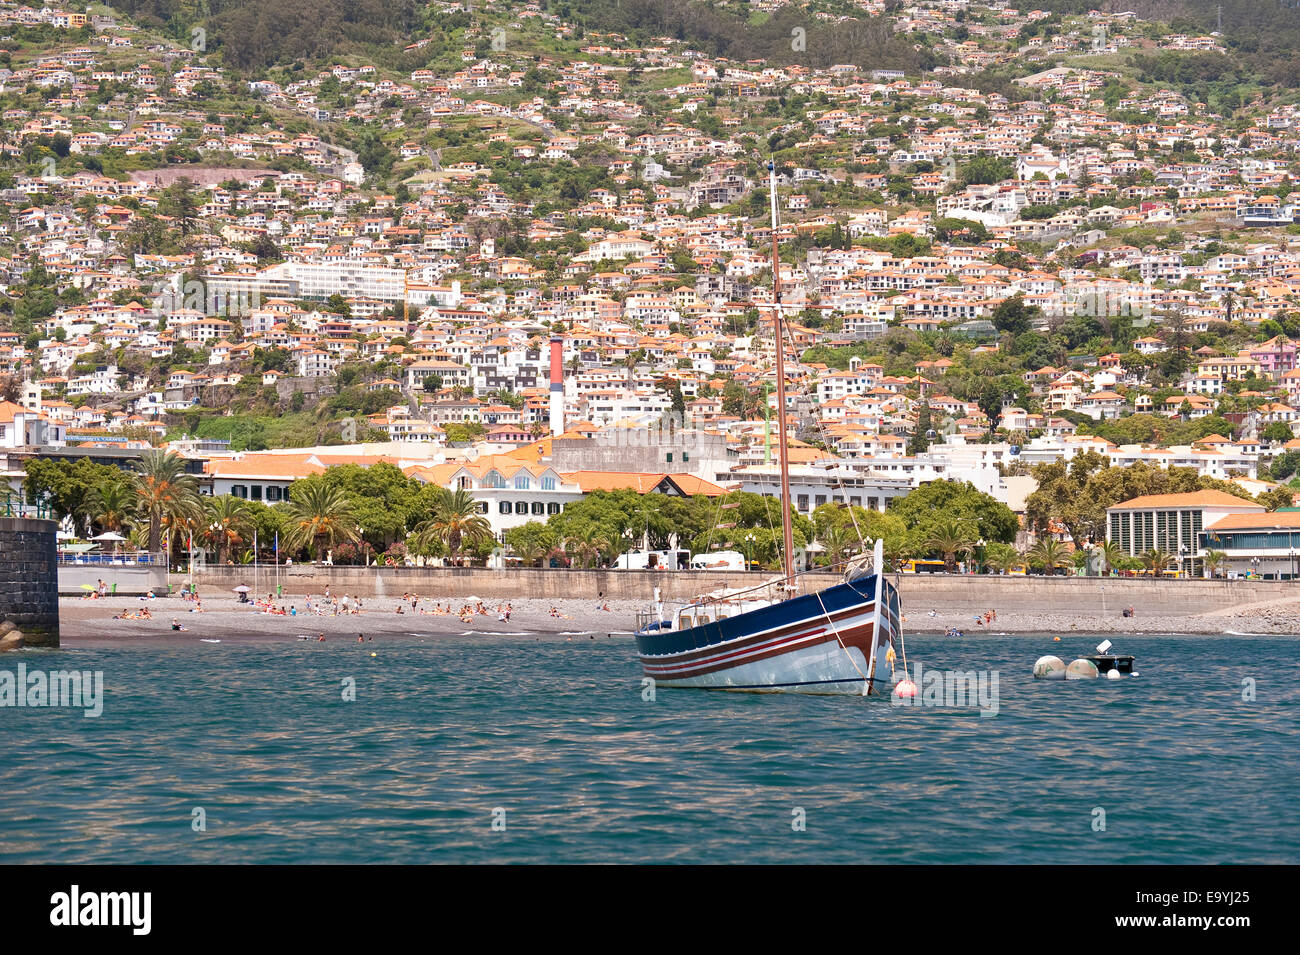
(112, 505)
(1013, 316)
(951, 538)
(1214, 561)
(930, 504)
(227, 524)
(319, 517)
(1157, 561)
(1277, 498)
(455, 525)
(1278, 431)
(167, 493)
(532, 542)
(1000, 558)
(1049, 555)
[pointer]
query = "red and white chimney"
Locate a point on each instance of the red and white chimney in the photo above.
(557, 386)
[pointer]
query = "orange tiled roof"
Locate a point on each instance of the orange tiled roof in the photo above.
(1206, 498)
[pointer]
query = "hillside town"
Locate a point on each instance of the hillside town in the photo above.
(537, 272)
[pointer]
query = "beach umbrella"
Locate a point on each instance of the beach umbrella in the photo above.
(109, 536)
(241, 589)
(87, 586)
(65, 536)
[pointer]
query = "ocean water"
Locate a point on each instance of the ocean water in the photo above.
(520, 749)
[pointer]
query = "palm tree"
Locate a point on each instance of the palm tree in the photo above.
(165, 492)
(112, 505)
(319, 516)
(583, 551)
(1000, 558)
(529, 552)
(1112, 555)
(1049, 554)
(455, 522)
(226, 524)
(950, 538)
(840, 543)
(1213, 560)
(1155, 560)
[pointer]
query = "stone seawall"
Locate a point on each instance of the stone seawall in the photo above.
(29, 586)
(122, 580)
(920, 592)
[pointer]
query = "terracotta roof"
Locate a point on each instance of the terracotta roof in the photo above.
(1283, 520)
(1206, 498)
(640, 482)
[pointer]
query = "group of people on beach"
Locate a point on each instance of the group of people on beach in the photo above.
(466, 612)
(986, 618)
(329, 605)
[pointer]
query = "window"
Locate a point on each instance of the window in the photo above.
(552, 508)
(539, 508)
(820, 499)
(803, 502)
(504, 507)
(480, 507)
(670, 457)
(274, 494)
(686, 456)
(521, 507)
(548, 484)
(521, 482)
(238, 490)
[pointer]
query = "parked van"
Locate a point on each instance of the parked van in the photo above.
(719, 560)
(653, 560)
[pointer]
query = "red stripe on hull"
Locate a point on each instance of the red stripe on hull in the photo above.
(687, 656)
(860, 637)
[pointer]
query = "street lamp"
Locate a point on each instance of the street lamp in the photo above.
(1293, 564)
(749, 546)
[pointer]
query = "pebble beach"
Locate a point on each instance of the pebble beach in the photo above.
(86, 620)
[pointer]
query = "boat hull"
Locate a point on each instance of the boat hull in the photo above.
(835, 641)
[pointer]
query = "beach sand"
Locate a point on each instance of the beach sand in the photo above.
(85, 621)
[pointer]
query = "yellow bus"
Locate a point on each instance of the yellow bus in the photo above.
(922, 567)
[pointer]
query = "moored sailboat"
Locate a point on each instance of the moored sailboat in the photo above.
(843, 639)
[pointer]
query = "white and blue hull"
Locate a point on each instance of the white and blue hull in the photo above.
(835, 641)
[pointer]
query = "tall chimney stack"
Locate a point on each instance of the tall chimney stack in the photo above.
(557, 386)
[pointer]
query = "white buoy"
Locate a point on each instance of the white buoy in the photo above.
(1081, 670)
(1114, 675)
(1049, 668)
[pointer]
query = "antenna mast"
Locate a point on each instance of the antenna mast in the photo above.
(778, 329)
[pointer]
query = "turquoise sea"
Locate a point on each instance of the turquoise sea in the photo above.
(552, 740)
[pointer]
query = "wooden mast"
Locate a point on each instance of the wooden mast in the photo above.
(787, 530)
